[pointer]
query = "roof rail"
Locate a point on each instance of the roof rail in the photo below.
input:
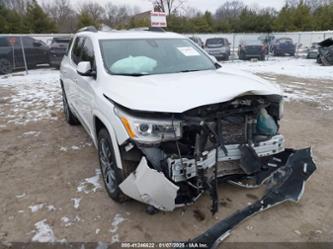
(88, 29)
(152, 29)
(156, 29)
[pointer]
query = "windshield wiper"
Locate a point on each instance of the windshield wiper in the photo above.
(131, 74)
(189, 70)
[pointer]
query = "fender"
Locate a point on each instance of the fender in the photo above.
(113, 136)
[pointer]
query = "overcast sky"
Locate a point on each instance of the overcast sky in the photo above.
(202, 5)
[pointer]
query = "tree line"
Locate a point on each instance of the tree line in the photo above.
(28, 16)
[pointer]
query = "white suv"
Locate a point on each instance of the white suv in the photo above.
(166, 118)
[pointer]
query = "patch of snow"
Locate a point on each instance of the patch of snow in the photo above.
(115, 238)
(67, 222)
(19, 196)
(20, 211)
(37, 96)
(31, 133)
(35, 208)
(86, 184)
(63, 149)
(98, 230)
(76, 202)
(74, 147)
(298, 232)
(44, 232)
(51, 208)
(296, 67)
(116, 221)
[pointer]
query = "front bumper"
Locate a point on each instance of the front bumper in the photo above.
(154, 188)
(184, 169)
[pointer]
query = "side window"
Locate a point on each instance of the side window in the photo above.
(88, 52)
(28, 42)
(3, 42)
(69, 46)
(77, 50)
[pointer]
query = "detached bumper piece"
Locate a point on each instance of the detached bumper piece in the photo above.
(285, 180)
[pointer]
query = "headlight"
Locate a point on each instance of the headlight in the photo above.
(281, 109)
(144, 130)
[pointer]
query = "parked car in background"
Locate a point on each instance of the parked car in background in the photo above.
(249, 49)
(325, 51)
(198, 41)
(313, 51)
(218, 47)
(11, 55)
(58, 49)
(283, 46)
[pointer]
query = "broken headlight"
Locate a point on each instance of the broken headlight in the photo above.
(150, 130)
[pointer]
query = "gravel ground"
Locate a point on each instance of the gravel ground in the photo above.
(51, 190)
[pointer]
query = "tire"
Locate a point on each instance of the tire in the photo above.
(5, 66)
(241, 56)
(69, 116)
(112, 175)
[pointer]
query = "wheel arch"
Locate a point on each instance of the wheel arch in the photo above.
(100, 123)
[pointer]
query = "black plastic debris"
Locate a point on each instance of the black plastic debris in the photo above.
(286, 183)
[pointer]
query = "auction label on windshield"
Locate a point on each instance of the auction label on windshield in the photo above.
(188, 51)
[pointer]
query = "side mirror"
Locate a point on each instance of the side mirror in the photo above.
(84, 69)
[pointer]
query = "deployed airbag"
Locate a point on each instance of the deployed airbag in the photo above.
(134, 65)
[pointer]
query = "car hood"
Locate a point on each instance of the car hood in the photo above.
(177, 93)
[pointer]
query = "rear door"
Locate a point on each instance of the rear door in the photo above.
(70, 75)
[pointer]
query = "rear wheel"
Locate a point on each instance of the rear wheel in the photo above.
(5, 66)
(112, 175)
(69, 116)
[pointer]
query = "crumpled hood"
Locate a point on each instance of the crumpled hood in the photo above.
(179, 92)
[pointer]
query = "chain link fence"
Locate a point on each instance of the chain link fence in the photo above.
(23, 52)
(302, 40)
(27, 51)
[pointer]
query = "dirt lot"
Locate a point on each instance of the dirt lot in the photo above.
(49, 179)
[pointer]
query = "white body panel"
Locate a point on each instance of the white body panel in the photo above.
(92, 98)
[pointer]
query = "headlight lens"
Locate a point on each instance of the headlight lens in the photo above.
(145, 130)
(281, 109)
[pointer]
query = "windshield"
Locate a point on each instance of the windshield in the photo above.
(138, 57)
(253, 42)
(60, 40)
(285, 40)
(215, 41)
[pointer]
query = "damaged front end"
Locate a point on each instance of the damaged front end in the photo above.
(181, 156)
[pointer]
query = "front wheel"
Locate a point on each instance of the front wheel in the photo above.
(112, 175)
(5, 66)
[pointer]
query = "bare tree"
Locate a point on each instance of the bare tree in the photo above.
(18, 5)
(94, 10)
(230, 9)
(116, 15)
(191, 12)
(168, 6)
(63, 15)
